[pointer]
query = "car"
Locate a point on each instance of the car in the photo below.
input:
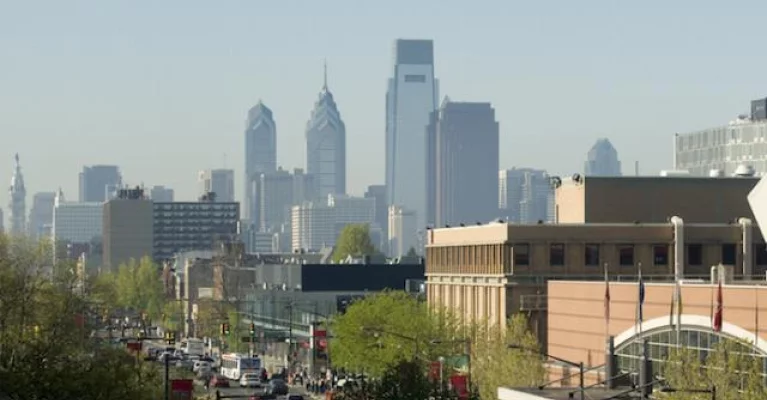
(250, 379)
(200, 364)
(278, 387)
(293, 396)
(219, 381)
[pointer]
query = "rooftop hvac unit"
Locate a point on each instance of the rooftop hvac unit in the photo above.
(722, 272)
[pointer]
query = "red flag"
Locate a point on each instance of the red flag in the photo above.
(717, 322)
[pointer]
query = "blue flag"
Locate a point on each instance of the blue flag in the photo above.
(641, 299)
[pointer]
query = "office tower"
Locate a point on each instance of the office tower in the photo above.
(317, 224)
(218, 181)
(411, 98)
(326, 144)
(378, 192)
(128, 230)
(2, 221)
(402, 231)
(465, 169)
(75, 224)
(260, 154)
(602, 160)
(161, 193)
(759, 110)
(525, 196)
(97, 182)
(191, 226)
(275, 199)
(18, 201)
(41, 214)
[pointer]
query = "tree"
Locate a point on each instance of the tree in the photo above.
(411, 252)
(139, 287)
(386, 328)
(494, 364)
(354, 240)
(45, 349)
(210, 315)
(731, 367)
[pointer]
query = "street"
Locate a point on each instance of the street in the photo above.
(245, 393)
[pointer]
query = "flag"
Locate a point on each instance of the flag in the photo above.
(607, 297)
(640, 300)
(717, 321)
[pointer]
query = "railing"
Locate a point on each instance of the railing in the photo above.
(533, 302)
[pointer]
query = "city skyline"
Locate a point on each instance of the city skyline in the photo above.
(520, 86)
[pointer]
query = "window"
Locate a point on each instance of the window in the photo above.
(695, 254)
(626, 255)
(591, 255)
(760, 254)
(557, 254)
(415, 78)
(660, 254)
(728, 253)
(522, 254)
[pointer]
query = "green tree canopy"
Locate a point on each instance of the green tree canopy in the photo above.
(139, 287)
(210, 315)
(354, 240)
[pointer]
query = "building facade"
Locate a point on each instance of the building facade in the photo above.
(465, 164)
(128, 231)
(192, 226)
(218, 181)
(162, 194)
(98, 182)
(316, 225)
(17, 205)
(403, 232)
(326, 144)
(378, 192)
(260, 154)
(602, 160)
(41, 215)
(75, 222)
(411, 98)
(723, 148)
(525, 195)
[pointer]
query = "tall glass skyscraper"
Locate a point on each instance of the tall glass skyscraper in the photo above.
(260, 154)
(602, 160)
(410, 100)
(326, 144)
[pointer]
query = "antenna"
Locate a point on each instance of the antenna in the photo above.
(325, 74)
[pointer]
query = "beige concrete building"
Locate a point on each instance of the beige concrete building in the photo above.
(593, 199)
(128, 228)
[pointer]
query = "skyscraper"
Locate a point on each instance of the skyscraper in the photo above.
(41, 214)
(260, 154)
(218, 181)
(161, 194)
(411, 97)
(465, 169)
(97, 181)
(326, 144)
(18, 201)
(602, 160)
(525, 195)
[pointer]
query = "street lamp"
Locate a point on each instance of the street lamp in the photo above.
(579, 365)
(375, 332)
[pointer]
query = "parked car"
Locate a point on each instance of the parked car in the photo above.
(250, 379)
(277, 387)
(219, 381)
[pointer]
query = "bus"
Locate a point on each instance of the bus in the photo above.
(234, 365)
(193, 347)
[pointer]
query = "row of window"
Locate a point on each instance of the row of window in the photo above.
(626, 254)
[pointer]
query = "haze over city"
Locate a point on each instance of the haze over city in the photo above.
(162, 89)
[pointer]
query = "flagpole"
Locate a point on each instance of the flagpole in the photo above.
(607, 304)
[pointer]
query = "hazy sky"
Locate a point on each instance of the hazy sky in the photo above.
(162, 88)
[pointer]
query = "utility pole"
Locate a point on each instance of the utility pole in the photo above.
(290, 335)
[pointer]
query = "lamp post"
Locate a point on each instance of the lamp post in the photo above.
(377, 332)
(579, 365)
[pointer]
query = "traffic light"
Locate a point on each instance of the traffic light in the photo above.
(252, 329)
(170, 338)
(225, 329)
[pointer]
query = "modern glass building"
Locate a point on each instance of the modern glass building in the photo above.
(260, 154)
(411, 98)
(602, 160)
(326, 144)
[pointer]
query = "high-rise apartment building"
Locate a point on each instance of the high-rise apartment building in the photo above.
(260, 155)
(218, 181)
(402, 231)
(128, 230)
(99, 182)
(316, 225)
(191, 226)
(41, 214)
(464, 168)
(410, 99)
(17, 205)
(326, 144)
(161, 194)
(602, 160)
(525, 196)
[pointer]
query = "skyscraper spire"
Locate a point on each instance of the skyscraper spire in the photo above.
(325, 75)
(17, 202)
